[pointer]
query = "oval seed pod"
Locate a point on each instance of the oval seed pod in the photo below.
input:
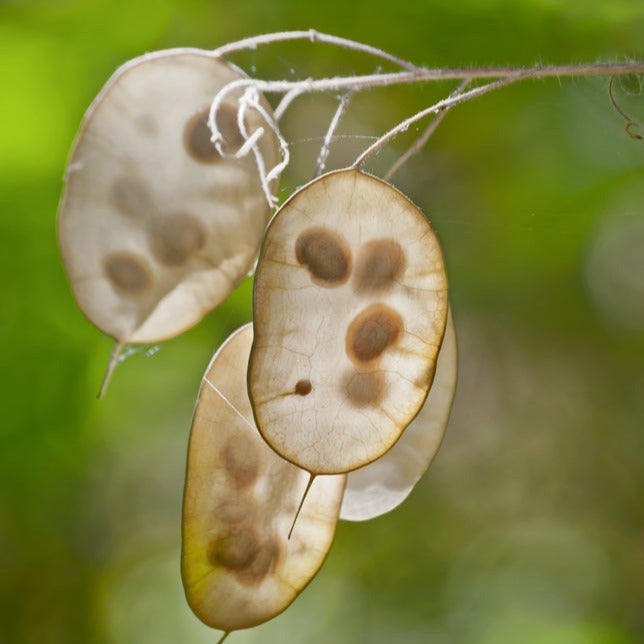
(238, 566)
(155, 227)
(349, 306)
(381, 486)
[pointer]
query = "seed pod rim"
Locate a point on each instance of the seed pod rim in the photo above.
(64, 243)
(417, 212)
(313, 571)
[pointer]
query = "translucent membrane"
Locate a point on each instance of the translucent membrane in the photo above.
(156, 227)
(349, 307)
(238, 567)
(381, 486)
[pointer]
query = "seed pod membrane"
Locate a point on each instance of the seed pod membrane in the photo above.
(155, 227)
(381, 486)
(238, 567)
(349, 307)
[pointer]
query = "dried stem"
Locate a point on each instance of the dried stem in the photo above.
(251, 98)
(111, 366)
(251, 88)
(324, 150)
(223, 637)
(287, 99)
(437, 107)
(630, 122)
(355, 83)
(313, 36)
(424, 137)
(299, 507)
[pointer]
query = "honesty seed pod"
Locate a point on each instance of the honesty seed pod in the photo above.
(381, 486)
(156, 228)
(239, 568)
(349, 306)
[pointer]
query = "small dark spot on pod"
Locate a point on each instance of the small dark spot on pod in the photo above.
(235, 510)
(147, 125)
(128, 273)
(242, 462)
(174, 238)
(235, 550)
(364, 389)
(371, 332)
(130, 197)
(379, 265)
(326, 255)
(197, 134)
(262, 565)
(303, 387)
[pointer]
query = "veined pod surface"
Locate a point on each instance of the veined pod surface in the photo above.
(381, 486)
(239, 568)
(349, 311)
(156, 228)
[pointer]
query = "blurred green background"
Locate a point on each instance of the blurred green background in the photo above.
(529, 526)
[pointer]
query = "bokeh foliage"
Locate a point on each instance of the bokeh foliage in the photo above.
(530, 524)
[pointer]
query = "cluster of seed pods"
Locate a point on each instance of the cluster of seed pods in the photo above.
(350, 381)
(333, 403)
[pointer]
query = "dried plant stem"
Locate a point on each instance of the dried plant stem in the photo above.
(111, 366)
(251, 87)
(313, 36)
(287, 99)
(251, 99)
(355, 83)
(424, 137)
(299, 507)
(434, 109)
(630, 122)
(326, 146)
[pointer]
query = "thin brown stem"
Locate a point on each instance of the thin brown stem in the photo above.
(326, 145)
(287, 99)
(421, 75)
(434, 109)
(299, 509)
(505, 75)
(111, 366)
(424, 137)
(630, 122)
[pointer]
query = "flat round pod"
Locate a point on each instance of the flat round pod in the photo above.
(381, 486)
(239, 567)
(349, 308)
(156, 228)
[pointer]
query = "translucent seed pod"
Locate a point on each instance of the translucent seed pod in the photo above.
(239, 568)
(156, 228)
(349, 306)
(381, 486)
